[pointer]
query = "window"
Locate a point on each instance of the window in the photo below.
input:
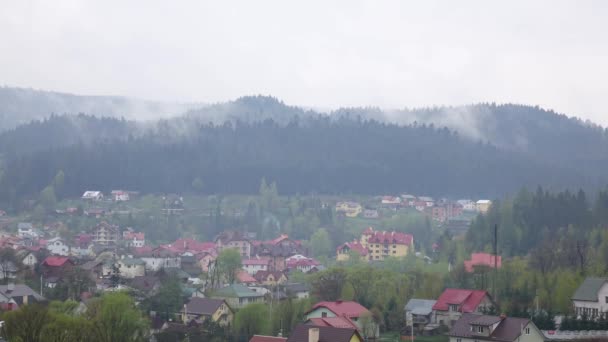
(453, 307)
(606, 299)
(480, 329)
(324, 314)
(458, 340)
(527, 331)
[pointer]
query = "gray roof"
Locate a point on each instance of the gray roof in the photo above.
(20, 290)
(589, 289)
(508, 329)
(132, 261)
(420, 306)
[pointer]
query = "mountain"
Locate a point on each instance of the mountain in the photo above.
(20, 106)
(483, 150)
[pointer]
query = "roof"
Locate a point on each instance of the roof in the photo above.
(468, 300)
(482, 259)
(326, 334)
(420, 306)
(336, 322)
(589, 289)
(202, 306)
(484, 202)
(296, 288)
(56, 261)
(144, 283)
(263, 275)
(244, 277)
(508, 329)
(134, 236)
(20, 290)
(261, 338)
(256, 261)
(391, 238)
(355, 246)
(348, 309)
(236, 291)
(132, 261)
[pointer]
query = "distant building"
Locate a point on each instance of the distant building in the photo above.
(348, 309)
(134, 239)
(383, 244)
(349, 209)
(237, 296)
(120, 195)
(371, 214)
(344, 251)
(92, 195)
(203, 309)
(235, 240)
(105, 233)
(131, 267)
(467, 205)
(482, 260)
(483, 206)
(253, 265)
(591, 298)
(57, 246)
(473, 327)
(453, 303)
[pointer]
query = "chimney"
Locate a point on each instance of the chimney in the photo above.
(313, 335)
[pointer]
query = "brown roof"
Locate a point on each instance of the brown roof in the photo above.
(326, 334)
(508, 329)
(203, 306)
(260, 338)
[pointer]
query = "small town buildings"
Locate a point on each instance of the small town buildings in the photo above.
(467, 205)
(134, 239)
(421, 311)
(349, 309)
(270, 278)
(452, 303)
(203, 309)
(253, 265)
(105, 233)
(297, 290)
(482, 260)
(160, 258)
(382, 245)
(473, 327)
(303, 265)
(312, 333)
(12, 296)
(391, 201)
(92, 195)
(591, 298)
(237, 295)
(25, 229)
(370, 214)
(345, 250)
(349, 209)
(57, 246)
(131, 267)
(236, 240)
(483, 206)
(278, 251)
(120, 195)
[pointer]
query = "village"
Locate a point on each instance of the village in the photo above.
(235, 270)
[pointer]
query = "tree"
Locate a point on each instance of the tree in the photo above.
(58, 183)
(198, 185)
(228, 263)
(48, 200)
(26, 324)
(320, 243)
(168, 300)
(116, 319)
(327, 285)
(251, 320)
(8, 263)
(65, 328)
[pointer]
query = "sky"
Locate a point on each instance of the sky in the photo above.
(320, 54)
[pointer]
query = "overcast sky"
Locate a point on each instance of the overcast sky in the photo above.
(322, 54)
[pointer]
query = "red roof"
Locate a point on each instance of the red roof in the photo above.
(467, 300)
(336, 322)
(482, 259)
(183, 245)
(56, 261)
(260, 338)
(391, 237)
(143, 250)
(348, 309)
(354, 246)
(244, 277)
(134, 236)
(256, 261)
(308, 262)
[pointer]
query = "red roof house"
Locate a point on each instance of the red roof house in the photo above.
(354, 246)
(56, 266)
(56, 261)
(462, 300)
(482, 259)
(261, 338)
(391, 238)
(336, 322)
(340, 308)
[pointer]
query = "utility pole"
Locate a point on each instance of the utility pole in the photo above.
(495, 262)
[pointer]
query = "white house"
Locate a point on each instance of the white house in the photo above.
(133, 239)
(591, 298)
(57, 246)
(253, 265)
(92, 195)
(25, 229)
(120, 195)
(161, 258)
(131, 267)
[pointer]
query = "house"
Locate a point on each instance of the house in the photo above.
(133, 239)
(237, 295)
(27, 257)
(344, 251)
(482, 260)
(467, 205)
(336, 322)
(591, 298)
(105, 233)
(438, 213)
(483, 206)
(297, 290)
(371, 214)
(382, 245)
(243, 277)
(203, 309)
(278, 251)
(270, 278)
(159, 258)
(120, 195)
(25, 229)
(452, 303)
(8, 270)
(311, 333)
(148, 285)
(236, 240)
(391, 201)
(92, 195)
(94, 268)
(428, 201)
(56, 266)
(303, 265)
(262, 338)
(57, 246)
(420, 311)
(349, 309)
(253, 265)
(472, 327)
(349, 209)
(17, 295)
(131, 267)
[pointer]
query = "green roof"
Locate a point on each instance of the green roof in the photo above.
(235, 291)
(589, 289)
